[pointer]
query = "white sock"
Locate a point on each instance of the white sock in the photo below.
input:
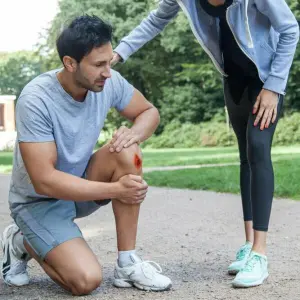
(19, 248)
(127, 258)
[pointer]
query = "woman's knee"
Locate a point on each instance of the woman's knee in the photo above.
(259, 150)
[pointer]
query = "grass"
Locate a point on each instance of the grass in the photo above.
(286, 166)
(226, 179)
(182, 157)
(6, 158)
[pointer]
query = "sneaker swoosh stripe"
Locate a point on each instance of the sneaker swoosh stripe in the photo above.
(6, 265)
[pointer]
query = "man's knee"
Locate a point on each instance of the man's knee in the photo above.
(130, 158)
(84, 282)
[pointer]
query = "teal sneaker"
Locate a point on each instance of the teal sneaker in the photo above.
(254, 272)
(241, 259)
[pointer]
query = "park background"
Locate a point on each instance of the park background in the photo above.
(172, 71)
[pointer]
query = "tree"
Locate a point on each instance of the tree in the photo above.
(172, 71)
(17, 69)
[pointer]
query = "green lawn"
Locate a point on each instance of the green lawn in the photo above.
(6, 159)
(182, 157)
(286, 166)
(226, 179)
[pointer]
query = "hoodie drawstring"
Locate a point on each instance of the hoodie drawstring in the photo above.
(248, 32)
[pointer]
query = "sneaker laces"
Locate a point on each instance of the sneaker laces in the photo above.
(251, 263)
(242, 253)
(150, 268)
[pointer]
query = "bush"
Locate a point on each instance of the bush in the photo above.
(216, 133)
(213, 133)
(187, 135)
(288, 130)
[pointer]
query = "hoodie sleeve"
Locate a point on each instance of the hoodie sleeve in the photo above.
(285, 23)
(148, 28)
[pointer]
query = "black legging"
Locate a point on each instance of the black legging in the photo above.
(256, 170)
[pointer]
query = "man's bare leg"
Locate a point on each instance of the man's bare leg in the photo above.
(130, 269)
(126, 216)
(78, 271)
(72, 264)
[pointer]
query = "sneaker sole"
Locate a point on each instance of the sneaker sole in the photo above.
(120, 283)
(239, 284)
(232, 272)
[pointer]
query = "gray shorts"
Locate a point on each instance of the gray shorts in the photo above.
(48, 223)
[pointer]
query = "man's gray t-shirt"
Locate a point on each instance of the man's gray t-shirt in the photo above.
(45, 112)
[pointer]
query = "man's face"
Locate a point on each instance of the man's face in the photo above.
(94, 69)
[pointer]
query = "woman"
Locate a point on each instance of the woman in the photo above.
(252, 44)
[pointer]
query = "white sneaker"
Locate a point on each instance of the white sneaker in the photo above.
(13, 269)
(144, 275)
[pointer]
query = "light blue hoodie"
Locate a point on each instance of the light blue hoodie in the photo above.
(265, 30)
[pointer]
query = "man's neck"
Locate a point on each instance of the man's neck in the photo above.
(66, 81)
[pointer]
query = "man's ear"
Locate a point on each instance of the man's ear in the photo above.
(70, 64)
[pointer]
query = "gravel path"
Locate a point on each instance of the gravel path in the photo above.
(194, 236)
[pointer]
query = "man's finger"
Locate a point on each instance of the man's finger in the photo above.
(120, 131)
(114, 137)
(120, 138)
(125, 140)
(136, 178)
(132, 141)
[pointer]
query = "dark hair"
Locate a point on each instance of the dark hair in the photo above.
(83, 35)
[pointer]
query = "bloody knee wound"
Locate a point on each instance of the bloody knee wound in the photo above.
(137, 161)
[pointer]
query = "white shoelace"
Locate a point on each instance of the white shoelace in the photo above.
(149, 268)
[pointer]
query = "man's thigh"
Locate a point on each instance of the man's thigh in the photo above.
(49, 230)
(46, 224)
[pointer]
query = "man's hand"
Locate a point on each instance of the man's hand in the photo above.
(266, 108)
(132, 189)
(116, 58)
(123, 138)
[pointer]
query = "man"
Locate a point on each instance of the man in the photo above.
(56, 178)
(252, 44)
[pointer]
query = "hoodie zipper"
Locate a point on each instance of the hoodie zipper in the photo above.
(227, 19)
(200, 41)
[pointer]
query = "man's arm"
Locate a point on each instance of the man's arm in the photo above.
(284, 22)
(39, 154)
(40, 160)
(145, 118)
(148, 29)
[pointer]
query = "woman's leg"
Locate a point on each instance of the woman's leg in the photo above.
(259, 144)
(238, 108)
(262, 175)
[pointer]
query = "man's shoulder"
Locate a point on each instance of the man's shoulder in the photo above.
(39, 85)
